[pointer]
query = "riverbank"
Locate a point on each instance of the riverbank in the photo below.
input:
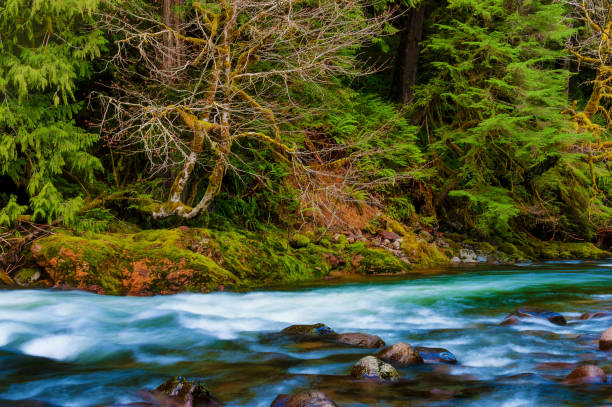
(168, 261)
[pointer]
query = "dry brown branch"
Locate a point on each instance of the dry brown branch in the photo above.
(229, 82)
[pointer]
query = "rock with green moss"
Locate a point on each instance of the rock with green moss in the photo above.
(179, 391)
(27, 276)
(166, 261)
(298, 241)
(373, 368)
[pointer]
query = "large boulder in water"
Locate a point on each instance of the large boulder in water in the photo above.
(361, 340)
(605, 341)
(532, 312)
(400, 354)
(304, 399)
(180, 392)
(436, 355)
(588, 374)
(314, 331)
(371, 367)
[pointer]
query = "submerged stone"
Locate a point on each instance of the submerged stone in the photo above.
(589, 315)
(361, 340)
(532, 312)
(310, 331)
(371, 367)
(588, 374)
(436, 355)
(308, 398)
(510, 320)
(400, 354)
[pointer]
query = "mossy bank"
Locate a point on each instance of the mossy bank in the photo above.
(166, 261)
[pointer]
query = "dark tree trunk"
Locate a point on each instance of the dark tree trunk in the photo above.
(173, 55)
(408, 55)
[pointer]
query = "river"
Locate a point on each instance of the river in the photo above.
(70, 348)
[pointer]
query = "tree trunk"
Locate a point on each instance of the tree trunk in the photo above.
(408, 55)
(172, 57)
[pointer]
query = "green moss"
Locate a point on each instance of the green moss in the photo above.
(298, 240)
(26, 276)
(196, 259)
(367, 260)
(325, 242)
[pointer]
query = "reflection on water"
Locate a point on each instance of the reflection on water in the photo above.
(79, 349)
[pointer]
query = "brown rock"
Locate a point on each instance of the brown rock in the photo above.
(588, 315)
(605, 341)
(510, 320)
(391, 236)
(304, 399)
(587, 374)
(400, 354)
(310, 331)
(361, 340)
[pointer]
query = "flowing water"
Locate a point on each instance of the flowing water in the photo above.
(69, 348)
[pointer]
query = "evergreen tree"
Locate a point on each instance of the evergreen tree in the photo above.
(45, 50)
(493, 106)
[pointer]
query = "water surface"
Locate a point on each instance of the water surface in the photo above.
(70, 348)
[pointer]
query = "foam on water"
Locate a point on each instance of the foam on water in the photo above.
(60, 347)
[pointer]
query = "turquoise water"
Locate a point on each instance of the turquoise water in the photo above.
(69, 348)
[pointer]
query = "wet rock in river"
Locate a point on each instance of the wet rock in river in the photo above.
(588, 374)
(400, 354)
(510, 320)
(371, 367)
(179, 391)
(361, 340)
(605, 341)
(436, 355)
(304, 399)
(531, 312)
(591, 315)
(313, 331)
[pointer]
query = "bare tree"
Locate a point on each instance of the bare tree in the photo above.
(240, 58)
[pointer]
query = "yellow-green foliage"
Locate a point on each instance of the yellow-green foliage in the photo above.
(418, 251)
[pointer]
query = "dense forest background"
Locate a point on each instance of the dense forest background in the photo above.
(485, 118)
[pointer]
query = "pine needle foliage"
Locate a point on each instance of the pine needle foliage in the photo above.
(493, 102)
(46, 49)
